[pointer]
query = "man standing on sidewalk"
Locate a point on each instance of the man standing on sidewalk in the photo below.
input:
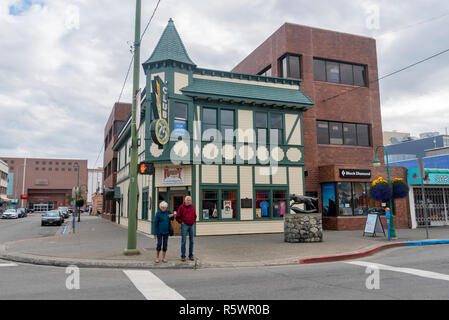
(186, 216)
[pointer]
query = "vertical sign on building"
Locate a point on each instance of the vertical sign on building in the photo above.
(159, 128)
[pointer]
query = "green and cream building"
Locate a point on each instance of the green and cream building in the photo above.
(236, 144)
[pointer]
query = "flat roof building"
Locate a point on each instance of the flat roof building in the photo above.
(338, 71)
(44, 184)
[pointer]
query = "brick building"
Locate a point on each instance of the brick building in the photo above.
(117, 118)
(338, 72)
(45, 183)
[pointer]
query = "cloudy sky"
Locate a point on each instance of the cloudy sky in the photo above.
(63, 62)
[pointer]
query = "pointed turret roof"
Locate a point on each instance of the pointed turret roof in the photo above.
(170, 47)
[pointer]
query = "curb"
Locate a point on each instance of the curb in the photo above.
(369, 252)
(94, 264)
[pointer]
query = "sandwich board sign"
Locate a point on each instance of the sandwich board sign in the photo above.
(373, 225)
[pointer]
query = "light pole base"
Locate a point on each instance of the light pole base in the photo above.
(131, 252)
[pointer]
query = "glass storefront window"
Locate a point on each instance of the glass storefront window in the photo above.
(360, 199)
(344, 193)
(229, 204)
(263, 204)
(351, 199)
(328, 196)
(279, 204)
(210, 205)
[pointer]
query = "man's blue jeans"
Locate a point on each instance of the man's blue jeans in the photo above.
(186, 230)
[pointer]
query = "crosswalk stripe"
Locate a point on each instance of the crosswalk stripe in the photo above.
(415, 272)
(151, 286)
(8, 265)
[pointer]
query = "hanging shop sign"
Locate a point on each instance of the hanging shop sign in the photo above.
(432, 177)
(159, 128)
(355, 174)
(171, 176)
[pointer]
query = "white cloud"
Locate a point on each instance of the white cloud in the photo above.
(62, 64)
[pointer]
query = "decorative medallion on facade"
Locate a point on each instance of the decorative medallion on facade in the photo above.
(159, 128)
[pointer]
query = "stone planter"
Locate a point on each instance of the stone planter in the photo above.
(301, 228)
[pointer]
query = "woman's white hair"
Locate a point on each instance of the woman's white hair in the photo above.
(163, 204)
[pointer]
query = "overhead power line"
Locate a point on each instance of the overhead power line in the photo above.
(130, 65)
(390, 74)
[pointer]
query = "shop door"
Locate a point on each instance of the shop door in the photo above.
(176, 200)
(437, 206)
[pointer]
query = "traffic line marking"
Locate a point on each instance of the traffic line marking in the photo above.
(415, 272)
(151, 286)
(4, 265)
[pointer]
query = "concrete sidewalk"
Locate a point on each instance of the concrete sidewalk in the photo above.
(99, 243)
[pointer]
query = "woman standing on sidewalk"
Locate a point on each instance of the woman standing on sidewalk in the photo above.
(161, 230)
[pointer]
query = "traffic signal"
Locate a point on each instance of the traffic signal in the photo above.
(146, 168)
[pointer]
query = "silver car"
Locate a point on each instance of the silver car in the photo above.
(10, 214)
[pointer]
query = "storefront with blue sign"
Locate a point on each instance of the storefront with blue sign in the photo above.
(436, 192)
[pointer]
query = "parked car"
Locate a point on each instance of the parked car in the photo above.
(65, 212)
(22, 212)
(30, 210)
(10, 214)
(52, 218)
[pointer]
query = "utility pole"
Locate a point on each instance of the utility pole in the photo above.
(132, 214)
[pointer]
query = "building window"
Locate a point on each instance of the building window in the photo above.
(332, 72)
(350, 134)
(363, 137)
(261, 128)
(339, 72)
(349, 199)
(43, 169)
(63, 169)
(228, 204)
(266, 72)
(271, 203)
(219, 204)
(56, 169)
(37, 162)
(145, 195)
(70, 169)
(180, 119)
(50, 169)
(37, 169)
(227, 124)
(339, 133)
(209, 124)
(276, 132)
(335, 133)
(210, 205)
(290, 66)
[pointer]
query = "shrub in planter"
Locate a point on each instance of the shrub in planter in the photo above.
(381, 190)
(400, 189)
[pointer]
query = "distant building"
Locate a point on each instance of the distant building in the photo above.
(44, 184)
(3, 183)
(116, 121)
(392, 137)
(414, 149)
(97, 203)
(94, 183)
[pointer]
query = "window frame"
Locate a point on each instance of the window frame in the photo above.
(270, 189)
(357, 125)
(340, 63)
(286, 57)
(219, 190)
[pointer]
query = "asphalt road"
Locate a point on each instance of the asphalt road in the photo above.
(404, 273)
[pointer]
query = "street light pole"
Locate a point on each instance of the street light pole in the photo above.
(132, 214)
(376, 163)
(77, 167)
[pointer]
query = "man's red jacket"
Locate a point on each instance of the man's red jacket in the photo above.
(186, 214)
